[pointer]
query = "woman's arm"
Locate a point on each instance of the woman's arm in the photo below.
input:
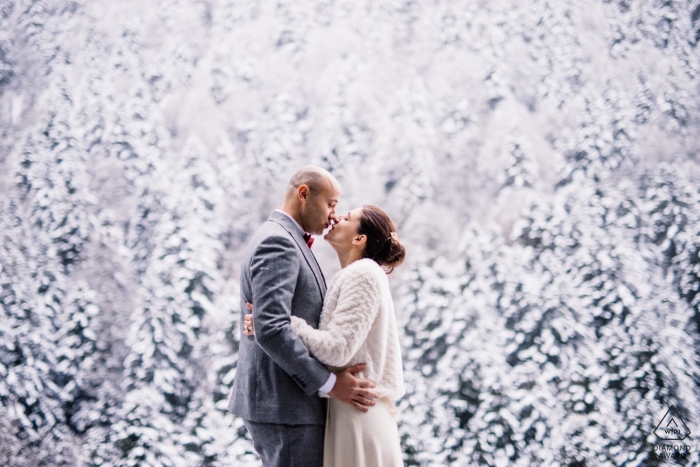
(350, 322)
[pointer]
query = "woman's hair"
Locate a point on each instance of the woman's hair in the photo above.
(383, 244)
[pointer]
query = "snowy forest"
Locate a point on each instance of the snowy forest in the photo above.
(541, 159)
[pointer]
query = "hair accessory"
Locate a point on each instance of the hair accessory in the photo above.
(394, 237)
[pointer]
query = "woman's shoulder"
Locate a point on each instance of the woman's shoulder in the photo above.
(365, 267)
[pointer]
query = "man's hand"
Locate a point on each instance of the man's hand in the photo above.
(248, 329)
(354, 391)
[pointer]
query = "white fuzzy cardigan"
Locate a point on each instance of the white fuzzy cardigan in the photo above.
(358, 326)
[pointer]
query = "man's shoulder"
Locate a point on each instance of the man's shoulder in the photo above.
(273, 233)
(270, 227)
(271, 240)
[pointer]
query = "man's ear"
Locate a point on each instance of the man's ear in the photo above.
(303, 193)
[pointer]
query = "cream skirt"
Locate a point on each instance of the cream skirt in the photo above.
(362, 439)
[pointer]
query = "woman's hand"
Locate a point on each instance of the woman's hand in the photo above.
(248, 329)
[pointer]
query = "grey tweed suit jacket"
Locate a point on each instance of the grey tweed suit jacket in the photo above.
(277, 379)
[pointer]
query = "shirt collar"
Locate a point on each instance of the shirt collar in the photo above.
(295, 222)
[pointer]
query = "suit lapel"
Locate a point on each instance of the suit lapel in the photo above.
(323, 278)
(282, 220)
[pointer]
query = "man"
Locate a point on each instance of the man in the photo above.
(278, 385)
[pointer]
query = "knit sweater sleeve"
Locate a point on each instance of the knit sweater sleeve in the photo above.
(349, 323)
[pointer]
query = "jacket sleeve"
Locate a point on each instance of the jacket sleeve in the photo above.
(274, 272)
(349, 324)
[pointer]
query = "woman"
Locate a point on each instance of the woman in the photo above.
(358, 326)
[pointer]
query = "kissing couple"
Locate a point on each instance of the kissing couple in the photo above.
(320, 366)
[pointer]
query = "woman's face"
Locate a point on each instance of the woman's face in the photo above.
(344, 232)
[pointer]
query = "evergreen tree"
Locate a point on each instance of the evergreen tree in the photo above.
(580, 297)
(221, 438)
(180, 243)
(49, 350)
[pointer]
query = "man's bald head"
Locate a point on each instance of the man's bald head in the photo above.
(314, 177)
(311, 198)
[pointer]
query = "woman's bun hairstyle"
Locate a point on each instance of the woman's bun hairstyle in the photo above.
(383, 244)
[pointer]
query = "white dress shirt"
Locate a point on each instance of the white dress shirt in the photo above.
(328, 387)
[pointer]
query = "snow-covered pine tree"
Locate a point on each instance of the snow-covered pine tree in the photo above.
(671, 204)
(582, 296)
(587, 365)
(621, 385)
(177, 238)
(222, 437)
(49, 344)
(449, 375)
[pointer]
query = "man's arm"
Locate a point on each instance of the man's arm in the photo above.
(274, 271)
(343, 385)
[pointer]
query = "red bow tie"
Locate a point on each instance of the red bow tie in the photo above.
(308, 239)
